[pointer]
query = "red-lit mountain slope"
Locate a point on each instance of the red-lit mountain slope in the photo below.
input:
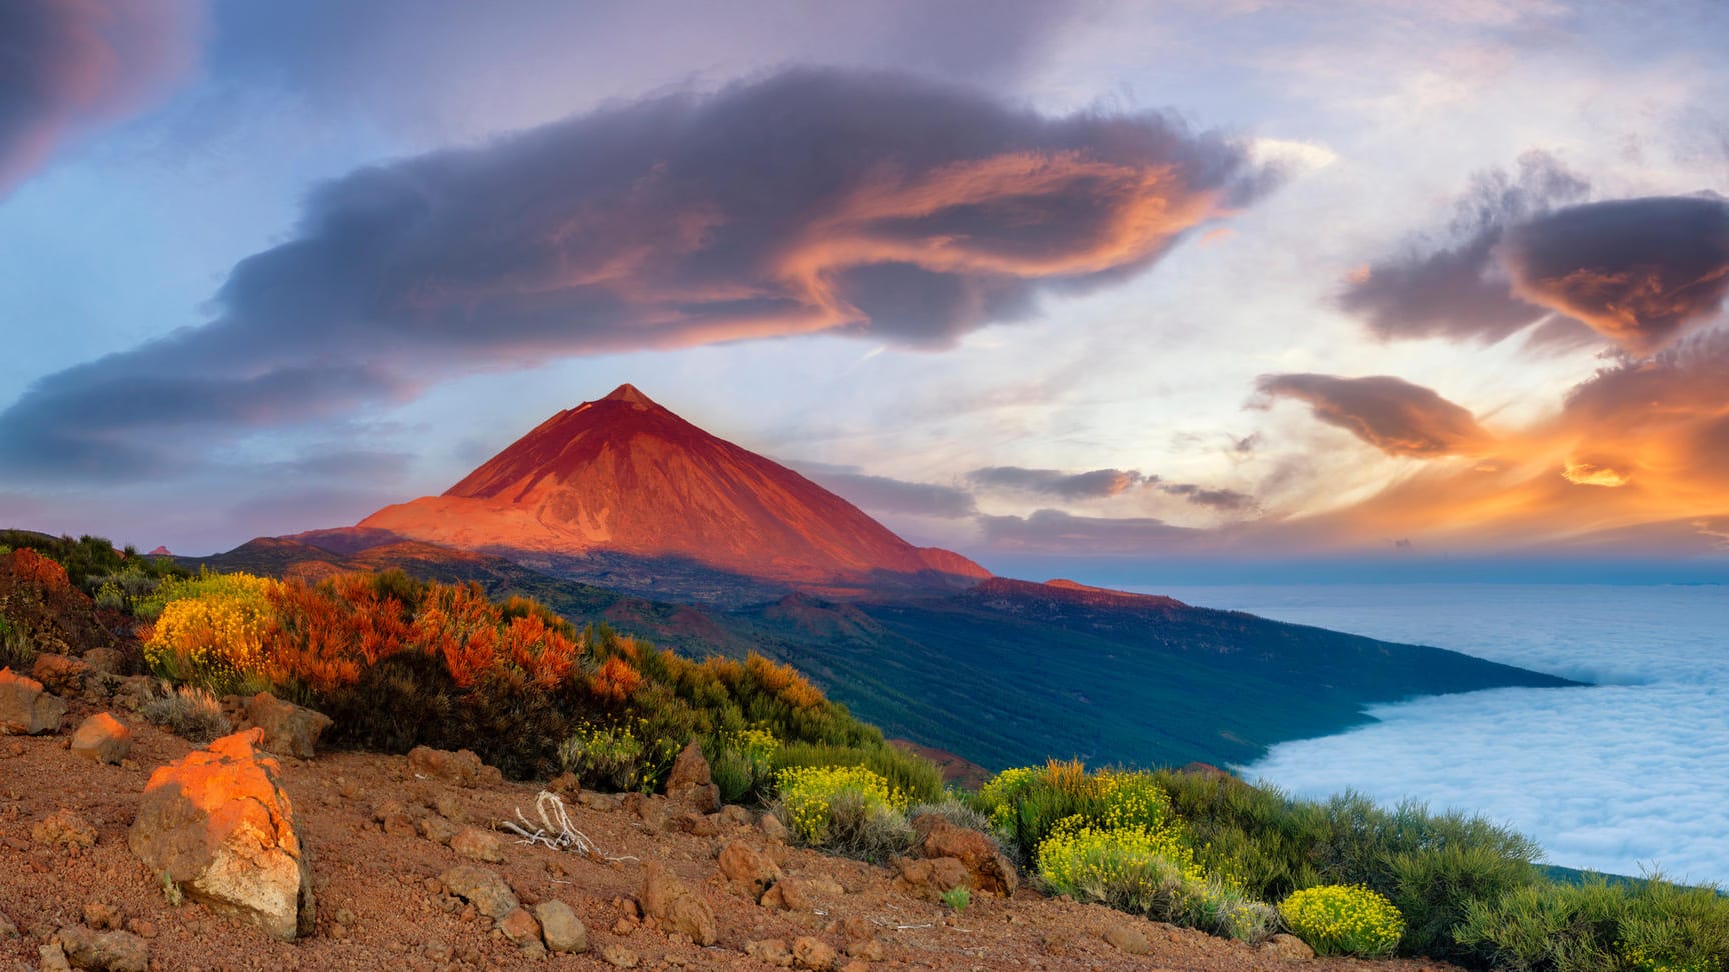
(623, 475)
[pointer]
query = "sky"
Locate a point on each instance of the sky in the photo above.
(1120, 290)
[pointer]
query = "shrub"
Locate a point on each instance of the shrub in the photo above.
(1647, 925)
(1344, 920)
(17, 651)
(211, 630)
(955, 812)
(605, 758)
(742, 764)
(913, 776)
(847, 809)
(1026, 804)
(190, 713)
(957, 898)
(1133, 869)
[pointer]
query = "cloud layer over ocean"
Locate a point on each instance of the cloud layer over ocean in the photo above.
(1647, 790)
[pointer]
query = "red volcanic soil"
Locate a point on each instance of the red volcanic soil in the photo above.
(625, 475)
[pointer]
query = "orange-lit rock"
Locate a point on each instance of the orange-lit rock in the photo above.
(219, 825)
(102, 738)
(24, 708)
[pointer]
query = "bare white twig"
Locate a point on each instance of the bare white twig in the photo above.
(555, 830)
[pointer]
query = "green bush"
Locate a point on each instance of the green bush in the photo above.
(190, 713)
(915, 777)
(17, 651)
(846, 809)
(742, 764)
(1647, 926)
(614, 759)
(1338, 919)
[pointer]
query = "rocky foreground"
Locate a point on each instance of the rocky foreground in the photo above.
(124, 847)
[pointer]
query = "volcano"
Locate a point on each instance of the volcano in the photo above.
(625, 477)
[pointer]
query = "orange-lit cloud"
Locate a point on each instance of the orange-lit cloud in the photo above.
(1641, 272)
(810, 201)
(1391, 414)
(67, 63)
(1635, 458)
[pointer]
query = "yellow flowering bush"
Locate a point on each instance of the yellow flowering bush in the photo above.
(1338, 919)
(810, 795)
(212, 629)
(1643, 960)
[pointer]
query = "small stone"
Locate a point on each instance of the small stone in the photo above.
(1128, 939)
(106, 661)
(64, 828)
(698, 824)
(101, 917)
(7, 929)
(25, 709)
(449, 806)
(745, 865)
(399, 824)
(520, 927)
(560, 928)
(289, 729)
(812, 953)
(113, 951)
(481, 845)
(437, 829)
(59, 674)
(666, 899)
(871, 950)
(462, 767)
(733, 815)
(102, 739)
(1289, 948)
(141, 928)
(482, 888)
(788, 894)
(771, 951)
(618, 956)
(772, 828)
(53, 958)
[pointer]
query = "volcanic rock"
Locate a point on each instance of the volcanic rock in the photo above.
(24, 708)
(690, 781)
(102, 738)
(666, 899)
(219, 825)
(289, 729)
(560, 928)
(113, 951)
(989, 869)
(482, 888)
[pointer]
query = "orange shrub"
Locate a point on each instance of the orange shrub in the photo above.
(616, 681)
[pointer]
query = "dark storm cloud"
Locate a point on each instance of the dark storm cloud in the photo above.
(66, 63)
(1391, 414)
(810, 201)
(1448, 284)
(1054, 531)
(1638, 271)
(882, 494)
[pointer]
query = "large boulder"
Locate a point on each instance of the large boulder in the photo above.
(289, 729)
(24, 708)
(990, 870)
(102, 738)
(690, 781)
(678, 909)
(218, 824)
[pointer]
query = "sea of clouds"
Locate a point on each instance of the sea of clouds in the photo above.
(1626, 775)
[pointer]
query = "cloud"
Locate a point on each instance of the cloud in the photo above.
(1514, 755)
(1638, 271)
(69, 63)
(1103, 484)
(1097, 484)
(1449, 284)
(1057, 532)
(1391, 414)
(810, 201)
(883, 494)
